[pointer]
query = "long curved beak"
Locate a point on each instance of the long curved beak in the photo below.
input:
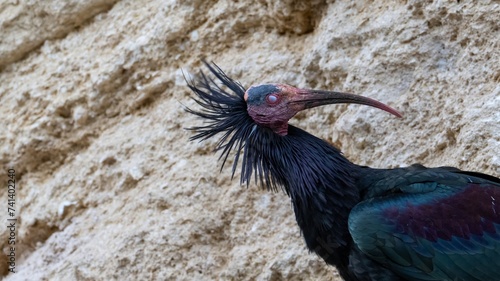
(305, 99)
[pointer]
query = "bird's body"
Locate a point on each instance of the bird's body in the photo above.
(411, 223)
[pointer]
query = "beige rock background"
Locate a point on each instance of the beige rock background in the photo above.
(108, 187)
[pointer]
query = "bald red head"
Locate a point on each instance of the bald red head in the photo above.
(272, 105)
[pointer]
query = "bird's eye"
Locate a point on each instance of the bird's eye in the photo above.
(272, 99)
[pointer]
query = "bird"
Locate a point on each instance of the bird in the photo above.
(409, 223)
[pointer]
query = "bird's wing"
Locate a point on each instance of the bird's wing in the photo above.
(431, 224)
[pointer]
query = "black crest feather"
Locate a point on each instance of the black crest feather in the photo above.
(225, 112)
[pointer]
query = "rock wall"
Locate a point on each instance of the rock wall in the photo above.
(108, 187)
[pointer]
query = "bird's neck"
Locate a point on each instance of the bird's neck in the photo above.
(321, 184)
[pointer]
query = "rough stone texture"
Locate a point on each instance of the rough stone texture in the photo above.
(108, 187)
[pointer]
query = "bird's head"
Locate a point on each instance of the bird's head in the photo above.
(250, 120)
(272, 105)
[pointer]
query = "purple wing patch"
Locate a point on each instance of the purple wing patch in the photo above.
(473, 211)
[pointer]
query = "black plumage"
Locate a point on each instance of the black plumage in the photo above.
(372, 224)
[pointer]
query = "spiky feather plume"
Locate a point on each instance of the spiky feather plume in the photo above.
(226, 113)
